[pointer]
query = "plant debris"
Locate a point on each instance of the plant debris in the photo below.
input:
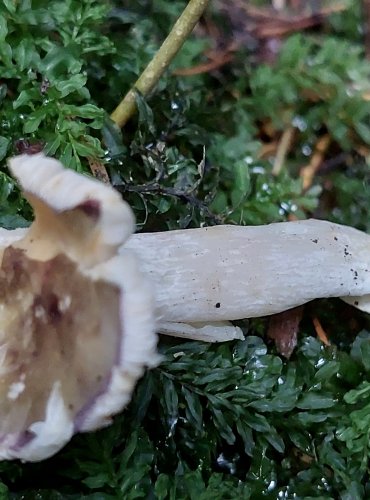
(283, 330)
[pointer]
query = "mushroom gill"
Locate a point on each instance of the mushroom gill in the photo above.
(53, 330)
(76, 318)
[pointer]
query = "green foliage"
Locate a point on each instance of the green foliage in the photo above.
(45, 53)
(227, 422)
(353, 177)
(224, 421)
(327, 75)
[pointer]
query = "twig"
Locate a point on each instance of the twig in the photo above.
(216, 60)
(282, 150)
(308, 172)
(266, 14)
(269, 23)
(169, 48)
(173, 192)
(320, 331)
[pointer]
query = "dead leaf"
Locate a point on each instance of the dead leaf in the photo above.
(98, 170)
(283, 329)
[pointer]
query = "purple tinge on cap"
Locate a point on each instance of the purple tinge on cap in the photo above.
(91, 208)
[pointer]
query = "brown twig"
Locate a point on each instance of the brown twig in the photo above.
(309, 171)
(282, 150)
(217, 60)
(320, 332)
(263, 23)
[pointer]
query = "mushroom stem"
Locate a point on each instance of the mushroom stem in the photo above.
(204, 278)
(233, 272)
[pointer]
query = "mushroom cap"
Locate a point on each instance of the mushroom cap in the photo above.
(76, 319)
(74, 213)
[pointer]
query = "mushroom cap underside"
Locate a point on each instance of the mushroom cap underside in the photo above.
(76, 319)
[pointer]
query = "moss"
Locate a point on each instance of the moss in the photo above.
(226, 421)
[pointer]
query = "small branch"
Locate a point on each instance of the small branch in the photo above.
(223, 59)
(187, 197)
(216, 59)
(282, 150)
(309, 171)
(320, 331)
(160, 62)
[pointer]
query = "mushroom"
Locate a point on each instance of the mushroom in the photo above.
(77, 320)
(210, 275)
(76, 317)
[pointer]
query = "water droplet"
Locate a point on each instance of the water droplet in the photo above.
(258, 170)
(172, 423)
(287, 207)
(271, 486)
(224, 463)
(300, 123)
(320, 362)
(325, 483)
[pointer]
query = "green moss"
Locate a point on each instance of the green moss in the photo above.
(212, 422)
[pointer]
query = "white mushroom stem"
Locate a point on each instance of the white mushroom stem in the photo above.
(205, 278)
(231, 272)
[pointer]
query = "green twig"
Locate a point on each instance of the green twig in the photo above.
(169, 48)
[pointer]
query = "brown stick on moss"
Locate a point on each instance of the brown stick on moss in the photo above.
(160, 62)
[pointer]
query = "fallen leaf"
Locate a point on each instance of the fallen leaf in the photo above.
(283, 329)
